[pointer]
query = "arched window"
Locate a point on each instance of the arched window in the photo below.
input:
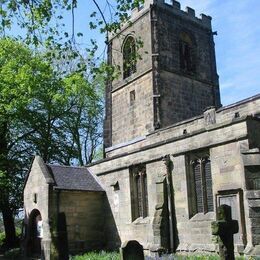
(139, 195)
(187, 53)
(200, 184)
(129, 57)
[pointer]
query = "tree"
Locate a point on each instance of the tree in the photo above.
(42, 113)
(84, 120)
(21, 73)
(40, 18)
(42, 110)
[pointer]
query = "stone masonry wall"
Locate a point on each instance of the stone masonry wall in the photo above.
(140, 29)
(120, 206)
(225, 140)
(37, 185)
(141, 229)
(85, 219)
(193, 233)
(223, 116)
(135, 119)
(183, 97)
(131, 119)
(185, 94)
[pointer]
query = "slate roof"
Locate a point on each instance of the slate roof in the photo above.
(73, 178)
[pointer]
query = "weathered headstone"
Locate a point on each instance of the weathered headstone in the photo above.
(225, 228)
(132, 250)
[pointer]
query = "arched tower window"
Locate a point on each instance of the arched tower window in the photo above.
(129, 57)
(187, 53)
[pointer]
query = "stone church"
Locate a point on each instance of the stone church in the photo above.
(173, 153)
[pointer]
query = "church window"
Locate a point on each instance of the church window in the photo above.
(187, 53)
(200, 185)
(139, 196)
(129, 57)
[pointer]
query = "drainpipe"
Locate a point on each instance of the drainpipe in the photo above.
(167, 163)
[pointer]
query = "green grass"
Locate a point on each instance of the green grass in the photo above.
(196, 257)
(98, 256)
(115, 256)
(206, 257)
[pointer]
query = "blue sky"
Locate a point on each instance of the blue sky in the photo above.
(237, 43)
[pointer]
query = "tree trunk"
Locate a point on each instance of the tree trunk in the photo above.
(8, 218)
(11, 240)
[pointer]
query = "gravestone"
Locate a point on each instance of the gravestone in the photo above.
(132, 250)
(225, 228)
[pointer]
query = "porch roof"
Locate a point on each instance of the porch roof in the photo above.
(73, 178)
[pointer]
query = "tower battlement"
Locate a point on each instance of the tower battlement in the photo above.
(175, 7)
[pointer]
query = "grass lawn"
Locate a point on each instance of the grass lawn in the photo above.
(98, 256)
(115, 256)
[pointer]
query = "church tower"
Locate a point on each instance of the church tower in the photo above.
(174, 79)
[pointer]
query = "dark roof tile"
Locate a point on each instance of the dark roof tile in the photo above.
(73, 178)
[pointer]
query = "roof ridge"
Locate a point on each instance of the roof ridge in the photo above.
(66, 166)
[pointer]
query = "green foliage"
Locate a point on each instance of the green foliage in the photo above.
(22, 75)
(2, 238)
(50, 104)
(44, 112)
(43, 24)
(43, 21)
(98, 256)
(12, 254)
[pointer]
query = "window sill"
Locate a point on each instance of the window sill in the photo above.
(141, 220)
(203, 217)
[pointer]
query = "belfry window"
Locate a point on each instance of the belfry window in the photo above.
(139, 196)
(129, 57)
(200, 185)
(187, 53)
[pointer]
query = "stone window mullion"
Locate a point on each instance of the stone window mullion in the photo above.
(203, 183)
(135, 206)
(144, 193)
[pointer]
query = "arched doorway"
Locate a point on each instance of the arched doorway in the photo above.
(35, 233)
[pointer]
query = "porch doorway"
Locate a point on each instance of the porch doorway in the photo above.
(35, 234)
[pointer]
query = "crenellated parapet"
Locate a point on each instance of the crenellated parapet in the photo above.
(174, 7)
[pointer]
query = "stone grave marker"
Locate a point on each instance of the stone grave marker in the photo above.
(132, 250)
(225, 228)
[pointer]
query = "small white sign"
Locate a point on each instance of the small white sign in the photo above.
(39, 229)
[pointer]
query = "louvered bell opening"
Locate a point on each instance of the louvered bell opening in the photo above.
(198, 186)
(208, 179)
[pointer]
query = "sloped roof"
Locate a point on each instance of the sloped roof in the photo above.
(73, 178)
